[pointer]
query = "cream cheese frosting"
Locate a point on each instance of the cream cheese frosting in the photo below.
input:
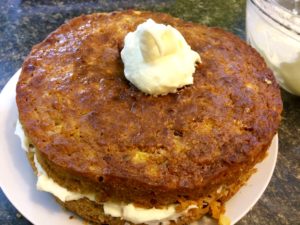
(21, 134)
(139, 215)
(279, 46)
(47, 184)
(157, 59)
(128, 212)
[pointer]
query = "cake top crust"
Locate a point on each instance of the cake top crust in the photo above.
(80, 112)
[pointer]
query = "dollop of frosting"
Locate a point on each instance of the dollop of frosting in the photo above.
(157, 59)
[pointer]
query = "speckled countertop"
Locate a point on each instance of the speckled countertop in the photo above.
(24, 23)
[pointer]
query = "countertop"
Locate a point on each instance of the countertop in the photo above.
(25, 23)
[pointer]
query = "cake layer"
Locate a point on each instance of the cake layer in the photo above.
(185, 212)
(94, 131)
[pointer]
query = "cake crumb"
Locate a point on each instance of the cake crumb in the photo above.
(268, 81)
(224, 220)
(18, 215)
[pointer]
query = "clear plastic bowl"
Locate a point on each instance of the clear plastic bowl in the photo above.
(273, 29)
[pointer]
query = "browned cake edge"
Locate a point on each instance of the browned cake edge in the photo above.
(78, 184)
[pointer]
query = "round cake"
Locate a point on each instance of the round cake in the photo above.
(93, 132)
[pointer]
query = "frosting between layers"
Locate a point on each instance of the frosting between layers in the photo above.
(20, 133)
(47, 184)
(129, 212)
(138, 215)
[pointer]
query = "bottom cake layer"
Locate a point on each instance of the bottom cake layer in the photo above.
(186, 211)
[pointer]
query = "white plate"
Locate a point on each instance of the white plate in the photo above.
(18, 181)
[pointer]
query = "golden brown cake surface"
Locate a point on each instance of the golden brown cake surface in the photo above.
(87, 121)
